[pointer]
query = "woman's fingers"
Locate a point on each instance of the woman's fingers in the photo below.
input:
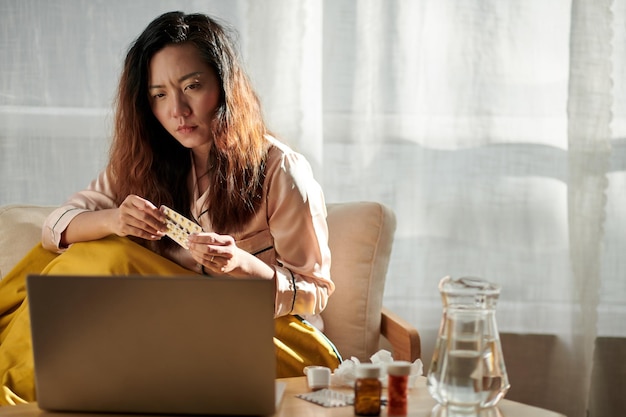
(139, 217)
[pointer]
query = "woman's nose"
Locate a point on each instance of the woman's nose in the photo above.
(180, 107)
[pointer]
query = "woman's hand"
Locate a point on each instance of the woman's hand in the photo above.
(138, 217)
(220, 256)
(134, 217)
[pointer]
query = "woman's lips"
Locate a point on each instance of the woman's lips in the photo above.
(185, 129)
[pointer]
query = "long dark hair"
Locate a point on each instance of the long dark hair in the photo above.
(146, 160)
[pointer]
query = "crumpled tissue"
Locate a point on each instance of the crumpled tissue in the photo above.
(345, 374)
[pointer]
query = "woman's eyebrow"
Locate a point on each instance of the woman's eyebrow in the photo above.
(190, 75)
(180, 80)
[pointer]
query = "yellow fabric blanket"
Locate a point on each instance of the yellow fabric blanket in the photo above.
(297, 343)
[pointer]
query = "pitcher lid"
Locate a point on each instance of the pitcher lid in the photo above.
(468, 285)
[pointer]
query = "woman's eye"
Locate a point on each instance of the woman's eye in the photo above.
(158, 95)
(192, 86)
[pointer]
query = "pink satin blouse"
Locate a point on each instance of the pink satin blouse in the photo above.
(289, 231)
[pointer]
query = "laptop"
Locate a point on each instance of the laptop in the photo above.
(153, 345)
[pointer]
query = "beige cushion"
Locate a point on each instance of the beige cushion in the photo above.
(361, 236)
(20, 227)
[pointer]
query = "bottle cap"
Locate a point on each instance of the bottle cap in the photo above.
(399, 368)
(367, 370)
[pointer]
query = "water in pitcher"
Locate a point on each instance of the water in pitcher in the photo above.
(461, 384)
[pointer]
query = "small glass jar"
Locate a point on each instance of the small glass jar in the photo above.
(398, 388)
(367, 390)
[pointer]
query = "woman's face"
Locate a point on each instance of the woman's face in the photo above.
(184, 94)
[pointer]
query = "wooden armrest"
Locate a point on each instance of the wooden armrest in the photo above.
(403, 337)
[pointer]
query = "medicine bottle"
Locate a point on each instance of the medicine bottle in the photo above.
(367, 390)
(398, 388)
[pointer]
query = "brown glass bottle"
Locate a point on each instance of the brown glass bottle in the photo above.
(367, 390)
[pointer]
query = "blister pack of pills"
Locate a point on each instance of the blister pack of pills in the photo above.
(328, 398)
(179, 227)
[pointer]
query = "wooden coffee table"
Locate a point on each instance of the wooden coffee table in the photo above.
(421, 404)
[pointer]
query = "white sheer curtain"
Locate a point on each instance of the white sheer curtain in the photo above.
(495, 129)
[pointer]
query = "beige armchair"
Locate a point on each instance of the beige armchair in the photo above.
(361, 238)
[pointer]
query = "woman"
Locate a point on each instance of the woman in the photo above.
(189, 134)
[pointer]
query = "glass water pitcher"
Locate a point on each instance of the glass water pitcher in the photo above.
(467, 369)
